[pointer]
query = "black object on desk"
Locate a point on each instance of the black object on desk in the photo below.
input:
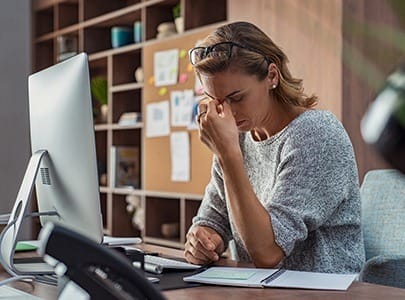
(100, 271)
(169, 279)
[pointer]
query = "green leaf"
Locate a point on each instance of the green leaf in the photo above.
(176, 10)
(99, 89)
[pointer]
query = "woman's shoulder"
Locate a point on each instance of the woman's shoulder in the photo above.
(315, 122)
(317, 127)
(316, 118)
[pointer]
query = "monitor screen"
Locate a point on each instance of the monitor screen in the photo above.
(63, 162)
(61, 122)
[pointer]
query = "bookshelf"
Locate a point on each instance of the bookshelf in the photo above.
(87, 24)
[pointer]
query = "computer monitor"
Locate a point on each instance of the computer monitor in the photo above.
(64, 155)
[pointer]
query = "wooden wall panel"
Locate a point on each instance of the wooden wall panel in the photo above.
(343, 49)
(309, 33)
(372, 48)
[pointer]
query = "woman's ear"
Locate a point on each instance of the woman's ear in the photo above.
(272, 76)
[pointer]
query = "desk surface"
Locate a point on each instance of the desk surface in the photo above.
(358, 290)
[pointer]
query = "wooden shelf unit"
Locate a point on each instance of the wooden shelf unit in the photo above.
(90, 22)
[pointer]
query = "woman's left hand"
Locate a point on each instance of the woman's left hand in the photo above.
(218, 129)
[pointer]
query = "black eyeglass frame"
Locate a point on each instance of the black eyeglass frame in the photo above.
(209, 49)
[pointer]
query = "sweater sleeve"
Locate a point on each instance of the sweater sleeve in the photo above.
(213, 211)
(317, 172)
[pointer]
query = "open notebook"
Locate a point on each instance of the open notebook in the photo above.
(253, 277)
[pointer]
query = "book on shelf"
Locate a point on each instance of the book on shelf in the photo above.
(255, 277)
(125, 166)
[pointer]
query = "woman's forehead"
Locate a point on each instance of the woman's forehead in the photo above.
(223, 84)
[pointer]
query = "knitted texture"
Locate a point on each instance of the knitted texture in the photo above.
(306, 178)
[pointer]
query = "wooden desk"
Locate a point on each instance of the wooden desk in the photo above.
(357, 291)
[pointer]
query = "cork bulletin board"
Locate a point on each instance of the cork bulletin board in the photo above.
(157, 156)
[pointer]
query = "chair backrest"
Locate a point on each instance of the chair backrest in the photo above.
(383, 213)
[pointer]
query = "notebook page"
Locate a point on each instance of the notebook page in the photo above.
(312, 280)
(248, 277)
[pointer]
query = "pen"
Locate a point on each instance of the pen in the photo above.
(206, 266)
(273, 276)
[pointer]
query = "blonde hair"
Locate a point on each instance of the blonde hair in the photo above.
(289, 90)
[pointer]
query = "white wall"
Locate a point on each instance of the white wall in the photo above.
(15, 66)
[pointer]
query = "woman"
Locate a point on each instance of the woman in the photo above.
(284, 183)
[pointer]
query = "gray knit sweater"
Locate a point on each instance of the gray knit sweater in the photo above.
(306, 178)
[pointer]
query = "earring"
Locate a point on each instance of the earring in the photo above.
(274, 86)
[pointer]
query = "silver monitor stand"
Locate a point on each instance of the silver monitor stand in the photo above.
(8, 237)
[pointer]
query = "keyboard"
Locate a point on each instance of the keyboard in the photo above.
(157, 264)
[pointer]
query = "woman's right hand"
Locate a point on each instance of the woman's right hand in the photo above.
(204, 245)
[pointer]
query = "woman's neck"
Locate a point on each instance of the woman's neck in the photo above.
(282, 115)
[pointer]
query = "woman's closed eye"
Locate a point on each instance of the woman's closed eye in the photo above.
(234, 99)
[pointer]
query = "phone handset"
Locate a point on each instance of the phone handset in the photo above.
(101, 272)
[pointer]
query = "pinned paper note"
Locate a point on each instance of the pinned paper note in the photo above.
(180, 156)
(182, 53)
(183, 78)
(166, 67)
(181, 107)
(190, 67)
(157, 119)
(151, 80)
(192, 125)
(162, 91)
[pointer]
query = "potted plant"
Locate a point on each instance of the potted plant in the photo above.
(178, 18)
(99, 91)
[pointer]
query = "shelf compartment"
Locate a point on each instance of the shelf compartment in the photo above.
(44, 55)
(95, 8)
(157, 14)
(96, 39)
(44, 21)
(98, 67)
(101, 154)
(68, 14)
(160, 211)
(97, 31)
(128, 101)
(200, 12)
(131, 137)
(67, 45)
(121, 219)
(124, 66)
(103, 205)
(190, 211)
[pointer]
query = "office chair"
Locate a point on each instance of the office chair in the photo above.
(383, 222)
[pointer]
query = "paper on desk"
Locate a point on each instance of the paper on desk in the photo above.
(248, 277)
(27, 245)
(311, 280)
(116, 241)
(254, 277)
